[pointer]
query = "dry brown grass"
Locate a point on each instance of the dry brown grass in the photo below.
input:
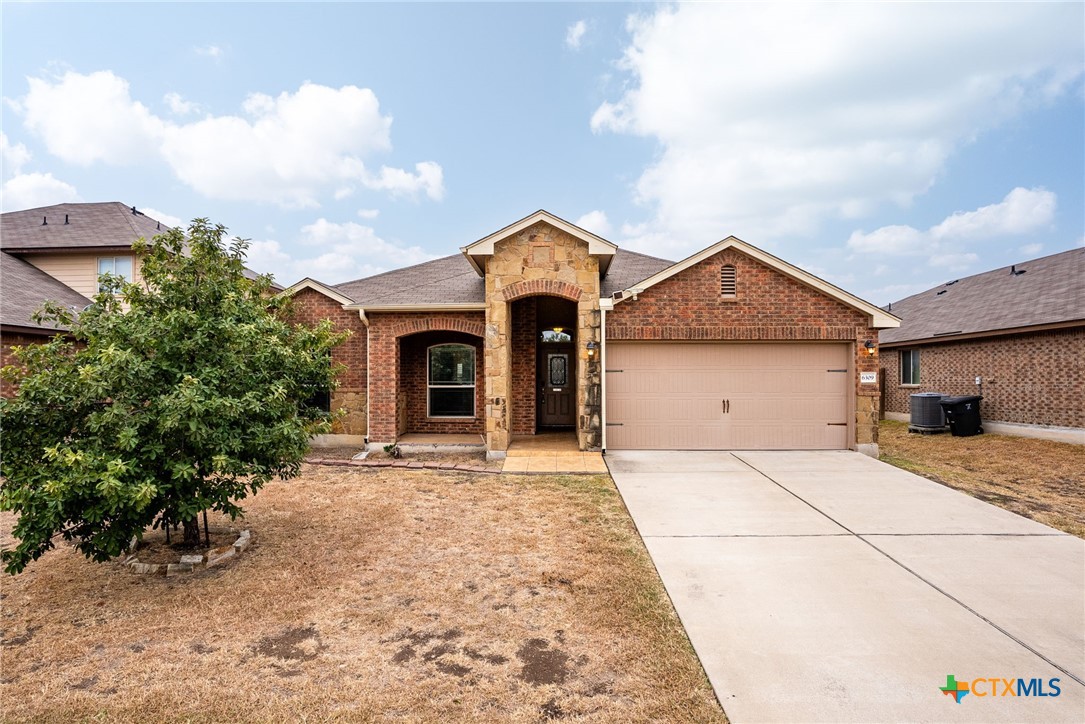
(369, 594)
(1038, 479)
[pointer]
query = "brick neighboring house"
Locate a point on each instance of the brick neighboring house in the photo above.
(57, 252)
(1020, 328)
(544, 326)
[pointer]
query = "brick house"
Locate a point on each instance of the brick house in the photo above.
(1020, 329)
(57, 252)
(544, 326)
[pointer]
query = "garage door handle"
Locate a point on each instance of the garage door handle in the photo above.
(837, 424)
(726, 406)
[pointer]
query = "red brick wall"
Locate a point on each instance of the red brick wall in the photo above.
(413, 367)
(523, 366)
(385, 332)
(768, 306)
(1034, 379)
(7, 341)
(311, 307)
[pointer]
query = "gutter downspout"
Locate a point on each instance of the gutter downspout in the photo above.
(368, 406)
(603, 376)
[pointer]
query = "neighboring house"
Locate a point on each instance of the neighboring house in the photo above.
(57, 252)
(544, 326)
(1019, 329)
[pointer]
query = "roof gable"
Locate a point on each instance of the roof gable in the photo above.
(1045, 291)
(477, 252)
(879, 317)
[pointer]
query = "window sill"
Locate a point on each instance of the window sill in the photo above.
(451, 417)
(910, 387)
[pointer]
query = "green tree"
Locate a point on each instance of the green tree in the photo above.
(183, 394)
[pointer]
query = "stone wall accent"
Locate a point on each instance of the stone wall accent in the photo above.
(1030, 379)
(768, 306)
(310, 307)
(413, 365)
(389, 396)
(191, 563)
(540, 259)
(524, 364)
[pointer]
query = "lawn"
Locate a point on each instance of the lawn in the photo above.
(368, 594)
(1038, 479)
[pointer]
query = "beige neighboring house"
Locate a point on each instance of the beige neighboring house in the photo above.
(1015, 335)
(57, 252)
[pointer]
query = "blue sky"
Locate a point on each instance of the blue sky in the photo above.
(885, 147)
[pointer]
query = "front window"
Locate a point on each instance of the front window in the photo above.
(909, 366)
(452, 380)
(120, 266)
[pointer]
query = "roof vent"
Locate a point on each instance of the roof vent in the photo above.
(949, 284)
(1014, 271)
(940, 292)
(45, 221)
(65, 219)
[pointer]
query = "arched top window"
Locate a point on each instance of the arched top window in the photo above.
(728, 281)
(451, 380)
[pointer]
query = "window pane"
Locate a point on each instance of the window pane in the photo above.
(558, 370)
(915, 366)
(555, 335)
(452, 401)
(105, 266)
(452, 364)
(123, 267)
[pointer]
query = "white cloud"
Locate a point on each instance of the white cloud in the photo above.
(89, 118)
(290, 149)
(1022, 211)
(179, 106)
(209, 51)
(31, 190)
(368, 213)
(15, 155)
(574, 35)
(334, 253)
(170, 220)
(596, 222)
(773, 118)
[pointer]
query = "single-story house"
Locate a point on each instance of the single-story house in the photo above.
(544, 326)
(57, 252)
(1015, 335)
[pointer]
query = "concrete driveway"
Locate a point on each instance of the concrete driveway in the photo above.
(828, 586)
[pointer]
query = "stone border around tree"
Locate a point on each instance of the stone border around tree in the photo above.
(189, 564)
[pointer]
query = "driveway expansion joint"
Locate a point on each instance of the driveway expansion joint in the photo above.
(945, 593)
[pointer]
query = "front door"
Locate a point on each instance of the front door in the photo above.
(556, 376)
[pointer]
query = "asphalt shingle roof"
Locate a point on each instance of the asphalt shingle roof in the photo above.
(452, 280)
(1050, 291)
(23, 287)
(107, 224)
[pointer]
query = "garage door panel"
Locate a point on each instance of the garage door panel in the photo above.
(778, 396)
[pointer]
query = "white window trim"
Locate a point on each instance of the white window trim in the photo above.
(98, 266)
(473, 386)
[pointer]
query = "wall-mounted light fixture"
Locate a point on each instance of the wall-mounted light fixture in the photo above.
(870, 347)
(591, 349)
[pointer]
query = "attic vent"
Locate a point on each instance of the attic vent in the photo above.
(940, 292)
(728, 281)
(1015, 271)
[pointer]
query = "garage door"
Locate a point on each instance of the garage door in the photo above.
(727, 396)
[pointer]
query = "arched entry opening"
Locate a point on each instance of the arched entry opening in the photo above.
(544, 365)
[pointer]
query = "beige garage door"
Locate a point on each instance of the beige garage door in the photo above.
(727, 396)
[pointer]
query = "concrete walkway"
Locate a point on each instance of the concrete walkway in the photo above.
(830, 587)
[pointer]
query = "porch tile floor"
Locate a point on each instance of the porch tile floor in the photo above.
(551, 453)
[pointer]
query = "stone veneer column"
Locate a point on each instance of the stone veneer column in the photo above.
(545, 260)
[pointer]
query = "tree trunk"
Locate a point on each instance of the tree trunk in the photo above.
(192, 533)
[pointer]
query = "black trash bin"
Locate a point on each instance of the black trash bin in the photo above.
(963, 415)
